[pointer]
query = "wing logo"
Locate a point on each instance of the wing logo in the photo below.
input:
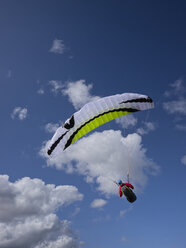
(69, 123)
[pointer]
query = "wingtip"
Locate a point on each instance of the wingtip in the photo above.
(150, 99)
(49, 152)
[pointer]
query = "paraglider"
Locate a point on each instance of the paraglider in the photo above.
(126, 189)
(94, 114)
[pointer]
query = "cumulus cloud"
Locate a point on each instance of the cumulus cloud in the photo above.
(51, 127)
(148, 126)
(98, 203)
(104, 156)
(56, 86)
(20, 113)
(126, 121)
(183, 160)
(78, 93)
(58, 47)
(27, 217)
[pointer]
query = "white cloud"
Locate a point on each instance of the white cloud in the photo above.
(178, 102)
(98, 203)
(177, 85)
(177, 88)
(126, 121)
(27, 217)
(41, 91)
(148, 126)
(76, 212)
(79, 93)
(183, 160)
(122, 212)
(51, 127)
(20, 113)
(104, 156)
(177, 106)
(56, 86)
(58, 47)
(181, 127)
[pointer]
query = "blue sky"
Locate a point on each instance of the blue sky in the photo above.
(57, 55)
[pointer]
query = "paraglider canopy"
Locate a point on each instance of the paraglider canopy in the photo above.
(94, 114)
